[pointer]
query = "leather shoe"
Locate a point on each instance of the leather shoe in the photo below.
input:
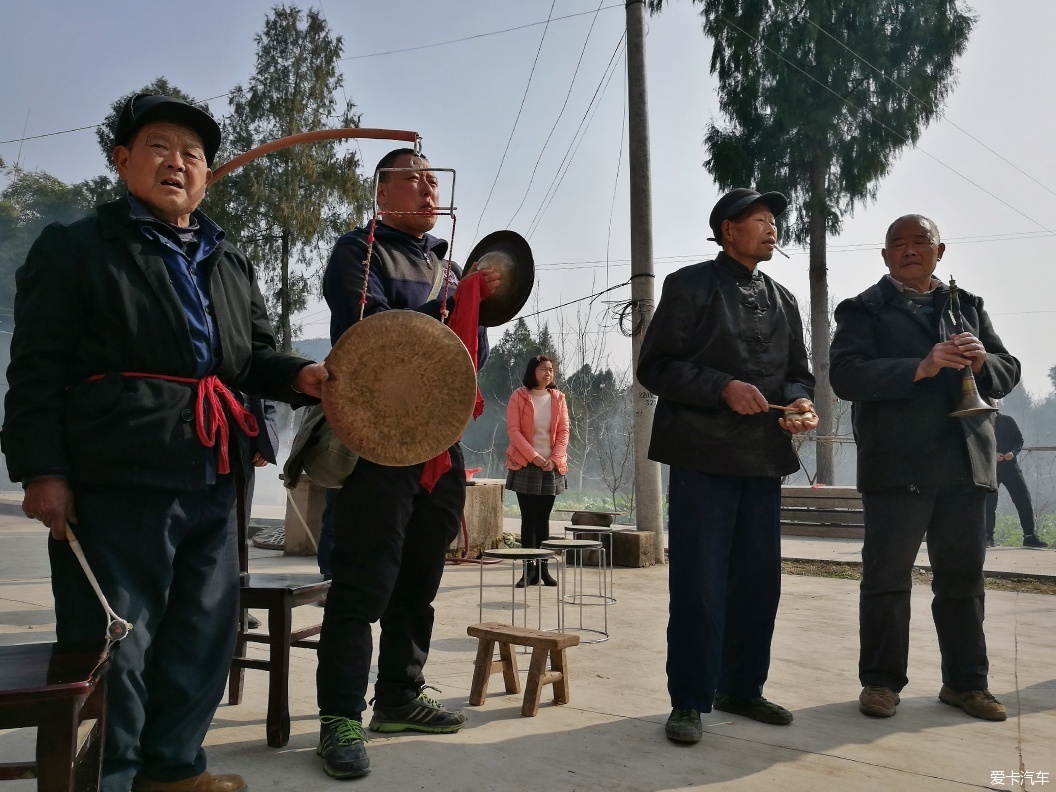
(757, 708)
(877, 701)
(977, 703)
(203, 782)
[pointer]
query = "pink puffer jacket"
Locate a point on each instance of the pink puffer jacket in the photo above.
(520, 424)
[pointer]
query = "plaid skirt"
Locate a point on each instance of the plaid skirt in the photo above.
(531, 480)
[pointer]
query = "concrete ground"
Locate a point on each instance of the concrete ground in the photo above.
(610, 735)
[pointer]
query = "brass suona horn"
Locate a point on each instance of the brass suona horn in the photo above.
(971, 403)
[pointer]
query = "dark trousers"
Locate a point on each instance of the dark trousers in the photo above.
(725, 581)
(535, 518)
(391, 541)
(167, 562)
(1011, 476)
(895, 524)
(326, 533)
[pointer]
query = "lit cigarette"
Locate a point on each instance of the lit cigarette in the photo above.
(779, 250)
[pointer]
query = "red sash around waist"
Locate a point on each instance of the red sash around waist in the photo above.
(210, 424)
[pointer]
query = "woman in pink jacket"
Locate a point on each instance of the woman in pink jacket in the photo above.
(537, 422)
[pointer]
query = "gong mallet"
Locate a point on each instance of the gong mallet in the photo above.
(117, 628)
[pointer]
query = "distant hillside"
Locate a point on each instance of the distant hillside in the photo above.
(314, 348)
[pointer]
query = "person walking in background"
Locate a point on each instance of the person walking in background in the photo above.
(1009, 444)
(537, 423)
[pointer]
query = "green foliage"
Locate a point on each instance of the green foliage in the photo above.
(286, 209)
(104, 133)
(1008, 532)
(30, 201)
(798, 103)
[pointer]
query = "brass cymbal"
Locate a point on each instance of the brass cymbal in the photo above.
(402, 388)
(510, 254)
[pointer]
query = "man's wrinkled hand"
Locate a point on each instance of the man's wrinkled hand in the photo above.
(310, 379)
(744, 398)
(50, 500)
(972, 348)
(800, 417)
(945, 354)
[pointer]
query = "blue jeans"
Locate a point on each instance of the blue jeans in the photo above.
(724, 577)
(167, 561)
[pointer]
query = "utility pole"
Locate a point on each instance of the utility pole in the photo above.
(647, 490)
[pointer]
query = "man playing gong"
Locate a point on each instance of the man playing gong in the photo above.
(898, 357)
(392, 531)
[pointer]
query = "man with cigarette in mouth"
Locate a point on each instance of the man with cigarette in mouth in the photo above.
(724, 347)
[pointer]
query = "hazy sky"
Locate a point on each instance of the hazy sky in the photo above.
(64, 62)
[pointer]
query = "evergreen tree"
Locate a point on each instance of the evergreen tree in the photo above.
(818, 99)
(286, 210)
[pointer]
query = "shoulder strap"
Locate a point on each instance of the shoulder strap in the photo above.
(438, 277)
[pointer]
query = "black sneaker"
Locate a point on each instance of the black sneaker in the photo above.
(683, 726)
(342, 744)
(424, 714)
(1030, 540)
(757, 708)
(990, 543)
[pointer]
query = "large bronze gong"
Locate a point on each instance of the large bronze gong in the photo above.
(401, 390)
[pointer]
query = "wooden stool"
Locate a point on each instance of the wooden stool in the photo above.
(542, 643)
(278, 594)
(60, 689)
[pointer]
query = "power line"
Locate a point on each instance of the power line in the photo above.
(573, 146)
(547, 21)
(934, 109)
(560, 114)
(520, 109)
(851, 104)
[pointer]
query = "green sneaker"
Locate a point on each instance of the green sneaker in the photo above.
(424, 714)
(683, 726)
(757, 708)
(342, 744)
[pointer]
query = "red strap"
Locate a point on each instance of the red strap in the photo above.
(212, 422)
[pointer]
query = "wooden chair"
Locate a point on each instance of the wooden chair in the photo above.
(278, 594)
(543, 644)
(61, 690)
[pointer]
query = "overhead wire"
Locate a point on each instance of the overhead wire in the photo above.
(516, 120)
(560, 115)
(937, 110)
(894, 132)
(573, 146)
(484, 35)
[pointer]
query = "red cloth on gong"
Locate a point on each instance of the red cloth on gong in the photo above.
(464, 321)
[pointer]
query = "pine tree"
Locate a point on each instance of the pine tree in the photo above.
(287, 209)
(818, 99)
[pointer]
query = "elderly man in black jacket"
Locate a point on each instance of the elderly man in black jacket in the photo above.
(131, 328)
(1009, 446)
(725, 342)
(920, 470)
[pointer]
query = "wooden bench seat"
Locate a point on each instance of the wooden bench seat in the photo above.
(828, 512)
(544, 645)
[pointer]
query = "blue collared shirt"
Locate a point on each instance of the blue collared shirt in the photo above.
(184, 250)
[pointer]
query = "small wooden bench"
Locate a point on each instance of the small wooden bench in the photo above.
(543, 644)
(828, 512)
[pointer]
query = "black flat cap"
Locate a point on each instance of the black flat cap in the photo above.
(736, 201)
(144, 108)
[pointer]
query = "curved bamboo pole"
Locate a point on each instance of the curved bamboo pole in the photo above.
(311, 137)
